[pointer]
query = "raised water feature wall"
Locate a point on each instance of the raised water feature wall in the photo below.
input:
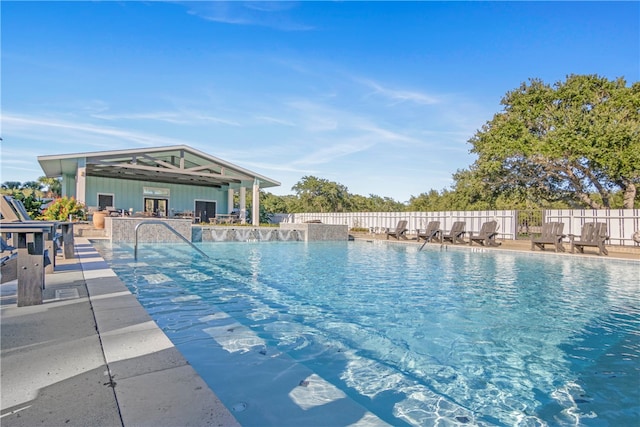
(286, 232)
(319, 231)
(122, 230)
(244, 234)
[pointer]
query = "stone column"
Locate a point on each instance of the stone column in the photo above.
(255, 211)
(81, 182)
(243, 204)
(230, 200)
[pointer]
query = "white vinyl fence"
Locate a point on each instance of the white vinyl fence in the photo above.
(621, 223)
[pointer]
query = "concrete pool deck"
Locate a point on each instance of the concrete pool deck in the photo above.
(91, 355)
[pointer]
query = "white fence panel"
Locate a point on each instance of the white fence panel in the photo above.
(621, 223)
(378, 222)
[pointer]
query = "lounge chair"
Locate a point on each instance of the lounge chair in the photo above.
(551, 235)
(432, 231)
(593, 234)
(8, 262)
(400, 232)
(14, 212)
(487, 234)
(20, 209)
(455, 234)
(8, 267)
(5, 247)
(8, 211)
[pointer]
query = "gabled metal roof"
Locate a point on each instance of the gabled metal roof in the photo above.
(177, 164)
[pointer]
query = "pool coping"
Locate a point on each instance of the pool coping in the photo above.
(519, 247)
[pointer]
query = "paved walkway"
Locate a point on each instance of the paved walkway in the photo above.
(92, 356)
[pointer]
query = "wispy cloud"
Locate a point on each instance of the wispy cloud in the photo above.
(318, 117)
(275, 120)
(159, 116)
(278, 167)
(365, 138)
(263, 14)
(387, 135)
(398, 96)
(62, 131)
(330, 153)
(182, 118)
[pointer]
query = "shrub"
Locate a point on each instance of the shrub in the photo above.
(31, 202)
(60, 209)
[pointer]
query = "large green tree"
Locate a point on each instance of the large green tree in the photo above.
(321, 195)
(563, 142)
(374, 203)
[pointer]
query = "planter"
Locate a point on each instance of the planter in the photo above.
(98, 219)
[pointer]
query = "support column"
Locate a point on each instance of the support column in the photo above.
(243, 204)
(230, 200)
(81, 182)
(255, 211)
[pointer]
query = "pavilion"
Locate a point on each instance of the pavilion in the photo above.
(162, 181)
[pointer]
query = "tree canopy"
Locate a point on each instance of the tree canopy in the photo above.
(568, 142)
(322, 195)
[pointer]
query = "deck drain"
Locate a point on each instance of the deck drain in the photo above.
(239, 407)
(68, 293)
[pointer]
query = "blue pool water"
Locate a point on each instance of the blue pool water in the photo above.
(282, 331)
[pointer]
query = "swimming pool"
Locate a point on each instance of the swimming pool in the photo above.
(357, 333)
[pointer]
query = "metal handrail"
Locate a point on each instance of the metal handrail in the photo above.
(155, 221)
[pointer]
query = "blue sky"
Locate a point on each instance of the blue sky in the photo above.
(381, 97)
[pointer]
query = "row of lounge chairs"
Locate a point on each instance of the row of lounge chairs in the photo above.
(485, 237)
(593, 234)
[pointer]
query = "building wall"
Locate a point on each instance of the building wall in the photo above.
(128, 194)
(69, 186)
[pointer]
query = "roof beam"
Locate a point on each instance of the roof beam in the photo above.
(175, 171)
(161, 162)
(160, 179)
(211, 166)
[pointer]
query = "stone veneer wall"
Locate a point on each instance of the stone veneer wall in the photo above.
(314, 232)
(122, 230)
(244, 234)
(305, 232)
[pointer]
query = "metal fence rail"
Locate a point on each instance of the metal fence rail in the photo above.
(512, 224)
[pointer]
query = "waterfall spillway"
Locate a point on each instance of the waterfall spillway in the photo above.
(245, 234)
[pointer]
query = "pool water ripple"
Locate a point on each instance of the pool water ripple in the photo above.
(420, 338)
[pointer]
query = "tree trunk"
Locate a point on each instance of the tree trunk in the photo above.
(584, 197)
(629, 195)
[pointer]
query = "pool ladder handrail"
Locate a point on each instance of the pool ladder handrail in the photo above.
(173, 230)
